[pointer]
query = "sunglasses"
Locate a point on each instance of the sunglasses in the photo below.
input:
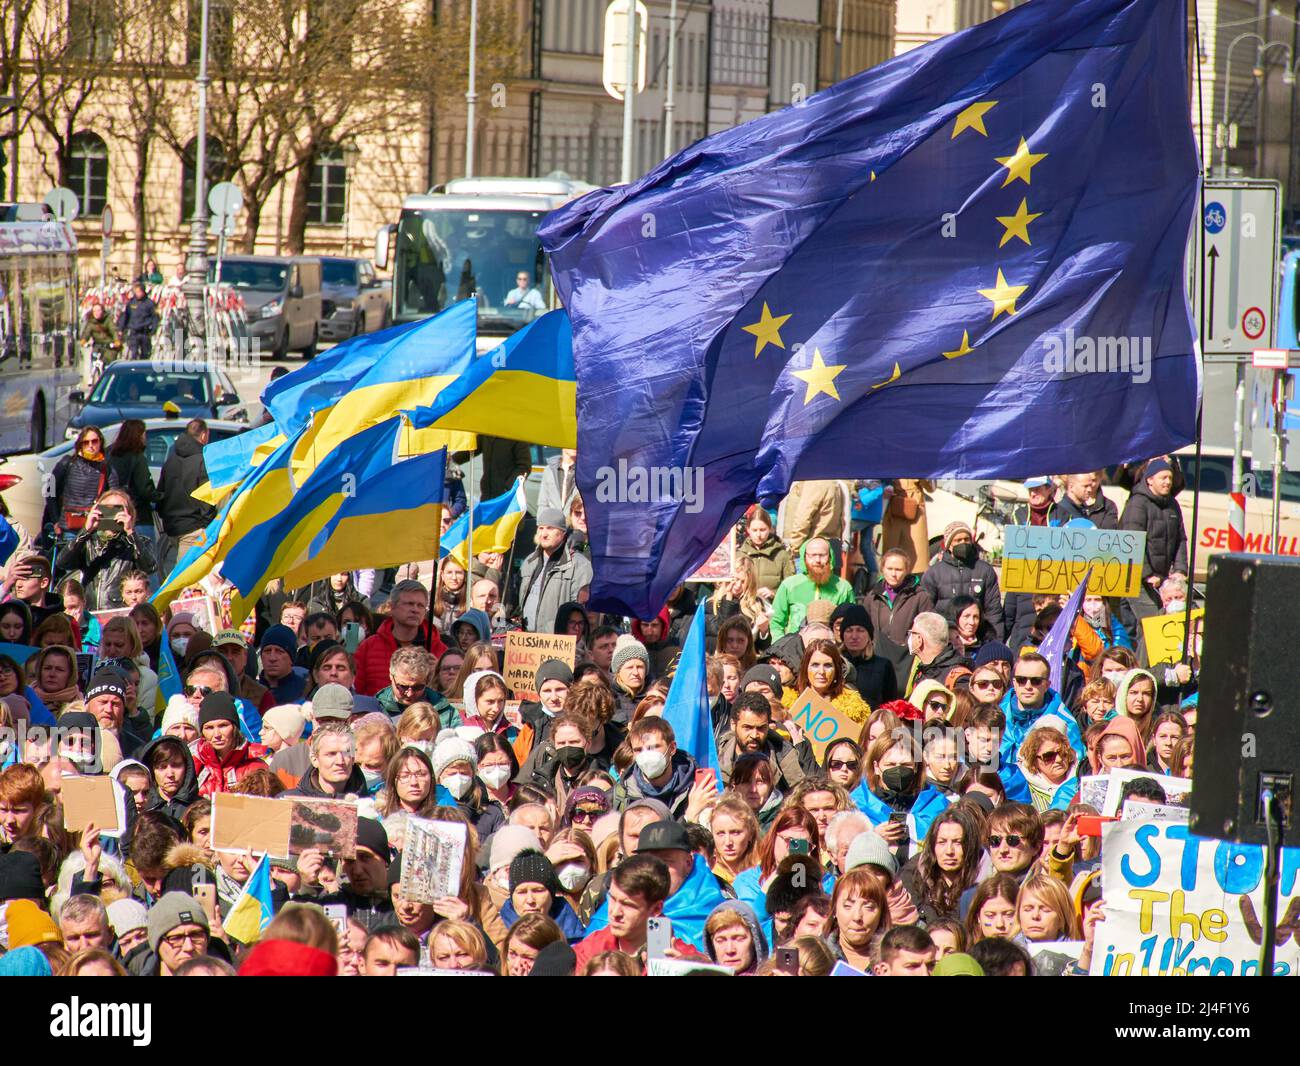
(586, 816)
(1051, 756)
(936, 705)
(1013, 840)
(844, 764)
(1021, 679)
(199, 690)
(988, 682)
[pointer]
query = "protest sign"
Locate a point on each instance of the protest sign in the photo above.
(526, 651)
(821, 722)
(251, 823)
(323, 825)
(203, 610)
(1053, 957)
(1176, 789)
(1163, 634)
(1182, 905)
(433, 857)
(1134, 810)
(681, 968)
(1054, 559)
(1092, 790)
(91, 800)
(721, 565)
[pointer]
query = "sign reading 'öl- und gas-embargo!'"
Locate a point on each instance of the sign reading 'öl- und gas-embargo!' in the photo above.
(1053, 559)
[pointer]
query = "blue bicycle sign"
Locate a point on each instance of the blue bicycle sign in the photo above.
(1215, 217)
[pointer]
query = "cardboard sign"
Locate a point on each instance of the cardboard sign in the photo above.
(821, 722)
(323, 825)
(433, 858)
(1135, 811)
(1183, 905)
(525, 652)
(1163, 634)
(682, 968)
(88, 800)
(1053, 559)
(1177, 789)
(251, 823)
(721, 565)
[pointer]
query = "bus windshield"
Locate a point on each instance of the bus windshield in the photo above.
(447, 255)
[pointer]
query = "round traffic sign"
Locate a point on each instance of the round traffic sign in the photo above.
(1215, 217)
(106, 221)
(1253, 323)
(224, 198)
(63, 202)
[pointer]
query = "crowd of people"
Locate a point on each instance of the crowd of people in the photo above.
(942, 834)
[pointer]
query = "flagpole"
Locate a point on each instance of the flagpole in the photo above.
(469, 537)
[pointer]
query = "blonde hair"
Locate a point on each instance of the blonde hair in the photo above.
(416, 719)
(125, 625)
(303, 923)
(1050, 891)
(464, 935)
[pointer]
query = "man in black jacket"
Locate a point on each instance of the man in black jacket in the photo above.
(181, 517)
(1084, 499)
(1152, 508)
(137, 322)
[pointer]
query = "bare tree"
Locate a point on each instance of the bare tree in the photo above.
(14, 15)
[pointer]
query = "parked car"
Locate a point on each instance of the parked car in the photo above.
(282, 296)
(353, 299)
(138, 388)
(23, 496)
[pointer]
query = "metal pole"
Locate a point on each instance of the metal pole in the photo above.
(1227, 92)
(1279, 446)
(629, 91)
(471, 96)
(669, 105)
(196, 269)
(839, 36)
(1239, 427)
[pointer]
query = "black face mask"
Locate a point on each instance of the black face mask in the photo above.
(898, 779)
(965, 553)
(571, 757)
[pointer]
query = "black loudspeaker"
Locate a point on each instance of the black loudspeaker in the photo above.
(1248, 720)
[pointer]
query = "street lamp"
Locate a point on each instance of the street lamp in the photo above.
(196, 266)
(351, 156)
(1258, 69)
(470, 95)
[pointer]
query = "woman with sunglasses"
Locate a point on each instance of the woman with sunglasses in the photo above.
(842, 761)
(1030, 700)
(79, 478)
(1047, 761)
(987, 684)
(933, 700)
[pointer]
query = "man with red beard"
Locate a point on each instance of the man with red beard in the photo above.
(818, 582)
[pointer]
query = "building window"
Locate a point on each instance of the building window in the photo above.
(90, 29)
(88, 173)
(327, 191)
(221, 31)
(215, 168)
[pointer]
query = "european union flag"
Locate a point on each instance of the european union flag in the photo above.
(916, 273)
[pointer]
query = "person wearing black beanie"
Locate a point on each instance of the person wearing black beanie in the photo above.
(555, 960)
(220, 758)
(871, 674)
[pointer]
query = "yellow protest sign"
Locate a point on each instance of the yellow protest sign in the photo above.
(1163, 634)
(1053, 559)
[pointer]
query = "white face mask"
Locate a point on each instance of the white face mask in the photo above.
(573, 876)
(495, 776)
(652, 762)
(1175, 607)
(458, 784)
(179, 644)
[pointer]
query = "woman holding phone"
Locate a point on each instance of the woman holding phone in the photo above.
(107, 549)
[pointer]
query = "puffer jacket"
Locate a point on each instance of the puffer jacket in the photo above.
(772, 562)
(946, 578)
(221, 775)
(78, 483)
(376, 652)
(185, 795)
(1161, 518)
(102, 560)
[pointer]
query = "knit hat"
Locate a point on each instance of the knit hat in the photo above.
(288, 958)
(29, 925)
(172, 911)
(125, 915)
(177, 619)
(20, 876)
(551, 516)
(372, 836)
(993, 652)
(870, 849)
(853, 614)
(819, 612)
(589, 798)
(26, 962)
(106, 683)
(287, 720)
(331, 701)
(218, 707)
(179, 710)
(557, 959)
(533, 868)
(282, 637)
(627, 649)
(1157, 466)
(953, 528)
(957, 964)
(552, 670)
(82, 720)
(764, 675)
(509, 841)
(449, 749)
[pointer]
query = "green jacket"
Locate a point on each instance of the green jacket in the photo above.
(448, 716)
(772, 562)
(101, 333)
(790, 606)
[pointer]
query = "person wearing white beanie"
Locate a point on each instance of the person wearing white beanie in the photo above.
(282, 726)
(181, 719)
(454, 763)
(506, 843)
(129, 920)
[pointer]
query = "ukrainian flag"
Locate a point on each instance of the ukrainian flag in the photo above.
(252, 910)
(363, 381)
(495, 522)
(525, 389)
(229, 461)
(169, 677)
(288, 535)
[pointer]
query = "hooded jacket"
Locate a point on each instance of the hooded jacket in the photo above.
(309, 786)
(376, 652)
(550, 582)
(663, 651)
(634, 785)
(520, 738)
(948, 577)
(1122, 727)
(1020, 720)
(893, 614)
(1126, 683)
(182, 472)
(790, 605)
(1161, 518)
(178, 804)
(791, 763)
(772, 562)
(756, 934)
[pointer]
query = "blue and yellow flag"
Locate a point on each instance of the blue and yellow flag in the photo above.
(524, 389)
(495, 522)
(966, 261)
(253, 908)
(686, 708)
(169, 675)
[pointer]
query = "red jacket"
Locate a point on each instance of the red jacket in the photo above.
(602, 940)
(376, 651)
(217, 775)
